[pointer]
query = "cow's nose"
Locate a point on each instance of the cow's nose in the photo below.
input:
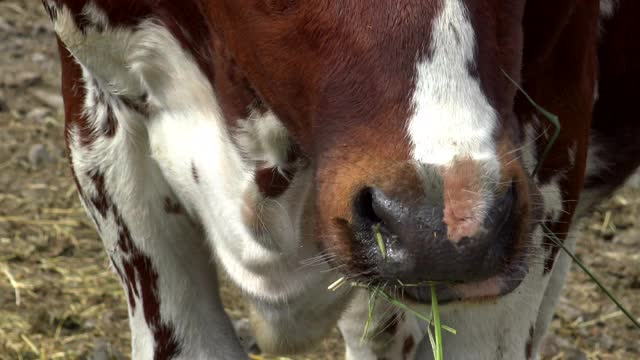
(405, 236)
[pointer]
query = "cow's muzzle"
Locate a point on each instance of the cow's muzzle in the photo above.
(465, 240)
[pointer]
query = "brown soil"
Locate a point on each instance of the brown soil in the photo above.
(71, 306)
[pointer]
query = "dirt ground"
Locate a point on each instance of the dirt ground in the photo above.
(59, 300)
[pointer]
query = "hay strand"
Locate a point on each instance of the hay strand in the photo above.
(12, 282)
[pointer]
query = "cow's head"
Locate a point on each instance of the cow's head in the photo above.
(404, 110)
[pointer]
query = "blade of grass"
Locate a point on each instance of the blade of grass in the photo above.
(397, 303)
(559, 243)
(435, 311)
(432, 340)
(372, 303)
(423, 283)
(380, 240)
(337, 284)
(378, 291)
(551, 117)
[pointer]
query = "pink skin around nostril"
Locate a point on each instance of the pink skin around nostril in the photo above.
(461, 218)
(463, 199)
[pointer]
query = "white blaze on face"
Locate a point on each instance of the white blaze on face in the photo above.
(452, 116)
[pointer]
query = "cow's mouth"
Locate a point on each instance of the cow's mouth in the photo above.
(471, 270)
(477, 291)
(507, 273)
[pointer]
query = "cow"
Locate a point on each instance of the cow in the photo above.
(292, 143)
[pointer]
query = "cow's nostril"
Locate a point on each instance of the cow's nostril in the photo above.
(363, 207)
(372, 207)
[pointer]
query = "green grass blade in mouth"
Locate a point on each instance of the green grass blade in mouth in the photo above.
(378, 291)
(436, 341)
(337, 284)
(372, 303)
(432, 341)
(435, 310)
(380, 240)
(400, 305)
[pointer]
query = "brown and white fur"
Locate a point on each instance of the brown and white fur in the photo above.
(181, 168)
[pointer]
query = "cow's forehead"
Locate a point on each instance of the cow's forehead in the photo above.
(340, 56)
(350, 69)
(353, 62)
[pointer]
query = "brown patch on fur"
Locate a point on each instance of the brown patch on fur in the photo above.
(130, 295)
(111, 123)
(74, 88)
(390, 326)
(139, 272)
(52, 10)
(73, 93)
(235, 94)
(194, 173)
(528, 349)
(271, 182)
(407, 347)
(172, 207)
(101, 201)
(139, 104)
(138, 276)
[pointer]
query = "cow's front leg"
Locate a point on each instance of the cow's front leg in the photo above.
(174, 308)
(155, 247)
(165, 268)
